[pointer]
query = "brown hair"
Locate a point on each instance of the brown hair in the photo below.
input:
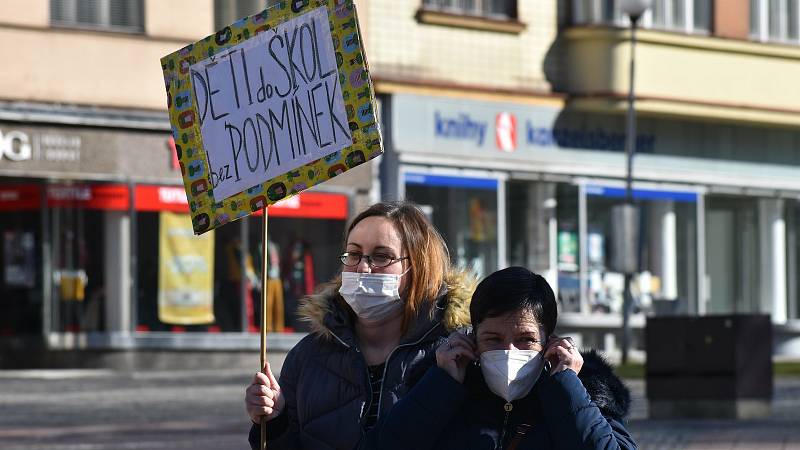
(424, 246)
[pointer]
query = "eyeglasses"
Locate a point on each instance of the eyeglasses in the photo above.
(378, 261)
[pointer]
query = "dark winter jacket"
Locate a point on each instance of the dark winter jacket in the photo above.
(441, 413)
(325, 379)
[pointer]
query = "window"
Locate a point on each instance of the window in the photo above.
(500, 9)
(775, 20)
(732, 255)
(471, 232)
(21, 273)
(687, 16)
(79, 269)
(109, 15)
(666, 280)
(228, 11)
(793, 258)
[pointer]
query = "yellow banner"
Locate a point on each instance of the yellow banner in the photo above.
(185, 272)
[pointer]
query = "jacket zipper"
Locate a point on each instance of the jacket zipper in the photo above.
(508, 407)
(340, 340)
(368, 403)
(385, 366)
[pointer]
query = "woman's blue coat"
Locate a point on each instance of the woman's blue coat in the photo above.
(563, 411)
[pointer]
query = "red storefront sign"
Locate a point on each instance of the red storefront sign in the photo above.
(161, 198)
(88, 196)
(20, 197)
(311, 205)
(113, 197)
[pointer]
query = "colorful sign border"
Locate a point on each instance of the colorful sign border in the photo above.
(357, 91)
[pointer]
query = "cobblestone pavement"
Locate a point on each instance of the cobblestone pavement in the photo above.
(100, 410)
(103, 410)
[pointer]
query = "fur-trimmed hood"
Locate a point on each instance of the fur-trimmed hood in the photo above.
(605, 388)
(325, 310)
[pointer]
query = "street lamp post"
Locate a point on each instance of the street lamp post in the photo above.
(634, 9)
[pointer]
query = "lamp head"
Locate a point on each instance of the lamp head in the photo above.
(635, 8)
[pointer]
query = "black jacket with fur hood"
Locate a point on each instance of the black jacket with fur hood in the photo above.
(325, 379)
(564, 411)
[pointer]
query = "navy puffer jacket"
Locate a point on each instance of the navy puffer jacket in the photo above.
(564, 411)
(325, 379)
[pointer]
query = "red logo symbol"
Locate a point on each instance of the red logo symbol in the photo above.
(506, 132)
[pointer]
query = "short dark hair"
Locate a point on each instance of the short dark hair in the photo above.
(513, 289)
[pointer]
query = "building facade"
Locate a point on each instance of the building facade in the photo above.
(506, 120)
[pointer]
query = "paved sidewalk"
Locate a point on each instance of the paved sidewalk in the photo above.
(203, 410)
(780, 431)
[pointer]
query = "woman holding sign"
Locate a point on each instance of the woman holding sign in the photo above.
(374, 332)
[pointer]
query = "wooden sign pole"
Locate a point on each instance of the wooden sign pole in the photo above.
(264, 262)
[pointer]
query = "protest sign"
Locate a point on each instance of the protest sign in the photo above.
(269, 106)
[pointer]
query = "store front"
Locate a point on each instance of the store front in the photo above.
(98, 250)
(304, 245)
(534, 185)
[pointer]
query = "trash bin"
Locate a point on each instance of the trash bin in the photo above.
(716, 366)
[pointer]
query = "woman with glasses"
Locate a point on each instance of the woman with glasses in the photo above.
(374, 332)
(511, 385)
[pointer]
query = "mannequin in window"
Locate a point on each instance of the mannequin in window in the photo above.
(275, 307)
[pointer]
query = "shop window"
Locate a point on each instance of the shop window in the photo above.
(305, 235)
(107, 15)
(529, 225)
(234, 271)
(688, 16)
(303, 252)
(78, 269)
(793, 258)
(469, 231)
(665, 282)
(147, 262)
(733, 258)
(567, 249)
(167, 253)
(87, 222)
(775, 20)
(20, 260)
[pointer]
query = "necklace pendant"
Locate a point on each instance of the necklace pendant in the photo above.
(508, 406)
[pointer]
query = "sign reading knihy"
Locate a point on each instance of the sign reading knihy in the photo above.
(269, 106)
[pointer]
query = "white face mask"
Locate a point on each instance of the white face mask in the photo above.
(373, 296)
(511, 374)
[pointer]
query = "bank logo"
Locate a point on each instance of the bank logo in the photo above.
(506, 132)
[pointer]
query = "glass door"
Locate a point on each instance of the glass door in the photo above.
(77, 246)
(732, 254)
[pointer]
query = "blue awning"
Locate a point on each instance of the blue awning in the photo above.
(642, 194)
(451, 181)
